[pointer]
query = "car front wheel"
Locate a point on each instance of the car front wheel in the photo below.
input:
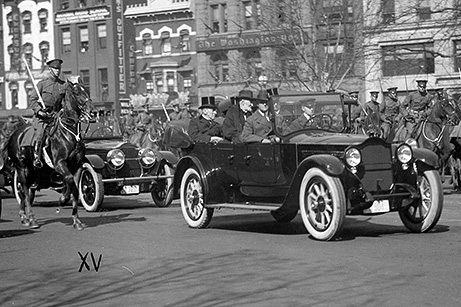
(192, 200)
(91, 188)
(424, 213)
(162, 193)
(323, 204)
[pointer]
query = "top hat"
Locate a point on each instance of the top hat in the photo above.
(273, 91)
(56, 63)
(208, 102)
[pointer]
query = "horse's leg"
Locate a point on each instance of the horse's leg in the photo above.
(72, 190)
(26, 196)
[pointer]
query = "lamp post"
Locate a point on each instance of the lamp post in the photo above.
(263, 80)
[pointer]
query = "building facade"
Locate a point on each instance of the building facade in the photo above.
(27, 40)
(165, 50)
(91, 38)
(408, 41)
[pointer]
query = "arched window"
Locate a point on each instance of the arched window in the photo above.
(166, 42)
(44, 51)
(26, 21)
(43, 20)
(9, 19)
(28, 50)
(185, 40)
(147, 44)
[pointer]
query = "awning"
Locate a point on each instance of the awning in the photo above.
(170, 62)
(185, 68)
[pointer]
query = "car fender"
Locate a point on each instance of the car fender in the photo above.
(168, 156)
(95, 161)
(331, 165)
(188, 162)
(426, 156)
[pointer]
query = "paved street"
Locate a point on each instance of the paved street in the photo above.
(133, 254)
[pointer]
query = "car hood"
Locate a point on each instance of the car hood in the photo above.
(105, 144)
(328, 138)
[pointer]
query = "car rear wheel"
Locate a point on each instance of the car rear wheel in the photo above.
(162, 193)
(91, 188)
(323, 204)
(424, 213)
(192, 200)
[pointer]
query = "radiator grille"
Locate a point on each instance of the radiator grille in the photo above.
(377, 162)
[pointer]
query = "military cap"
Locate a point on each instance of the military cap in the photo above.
(175, 103)
(421, 82)
(208, 102)
(56, 63)
(308, 102)
(439, 89)
(354, 94)
(374, 93)
(392, 89)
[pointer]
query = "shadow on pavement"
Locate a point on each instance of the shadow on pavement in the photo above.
(15, 233)
(95, 221)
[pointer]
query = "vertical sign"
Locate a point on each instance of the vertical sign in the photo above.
(16, 29)
(120, 46)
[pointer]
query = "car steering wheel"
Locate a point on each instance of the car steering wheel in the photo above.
(325, 120)
(102, 131)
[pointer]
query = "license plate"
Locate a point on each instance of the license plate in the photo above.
(379, 206)
(130, 189)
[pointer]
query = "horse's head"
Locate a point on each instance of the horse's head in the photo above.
(79, 100)
(449, 111)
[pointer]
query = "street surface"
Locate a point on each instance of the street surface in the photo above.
(134, 254)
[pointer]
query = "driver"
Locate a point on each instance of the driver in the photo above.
(306, 120)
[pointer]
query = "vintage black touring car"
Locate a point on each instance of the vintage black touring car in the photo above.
(319, 170)
(114, 166)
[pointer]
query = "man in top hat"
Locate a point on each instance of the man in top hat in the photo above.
(204, 128)
(45, 103)
(258, 127)
(236, 116)
(391, 114)
(416, 107)
(306, 120)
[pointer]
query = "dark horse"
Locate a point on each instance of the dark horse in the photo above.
(65, 149)
(434, 132)
(150, 137)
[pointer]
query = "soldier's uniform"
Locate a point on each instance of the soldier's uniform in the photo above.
(416, 107)
(391, 113)
(438, 97)
(128, 123)
(52, 91)
(372, 115)
(142, 122)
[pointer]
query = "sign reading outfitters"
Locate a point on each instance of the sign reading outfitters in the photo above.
(246, 41)
(83, 15)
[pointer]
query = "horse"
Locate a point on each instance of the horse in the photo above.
(434, 132)
(152, 137)
(63, 146)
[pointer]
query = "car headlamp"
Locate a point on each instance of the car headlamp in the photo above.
(115, 158)
(353, 157)
(147, 157)
(404, 153)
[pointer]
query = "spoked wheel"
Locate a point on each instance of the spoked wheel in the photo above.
(91, 188)
(162, 194)
(192, 201)
(424, 213)
(323, 204)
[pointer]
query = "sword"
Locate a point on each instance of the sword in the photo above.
(166, 113)
(40, 100)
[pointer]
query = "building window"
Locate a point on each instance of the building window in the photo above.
(28, 50)
(218, 18)
(66, 41)
(14, 93)
(166, 42)
(220, 66)
(388, 11)
(184, 44)
(252, 62)
(287, 64)
(64, 4)
(26, 19)
(44, 52)
(102, 36)
(9, 20)
(187, 81)
(81, 3)
(457, 53)
(424, 10)
(100, 2)
(408, 59)
(29, 88)
(170, 81)
(149, 86)
(147, 44)
(85, 75)
(252, 14)
(103, 81)
(43, 20)
(158, 82)
(83, 39)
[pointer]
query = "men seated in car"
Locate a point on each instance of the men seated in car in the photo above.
(258, 127)
(204, 128)
(305, 120)
(236, 116)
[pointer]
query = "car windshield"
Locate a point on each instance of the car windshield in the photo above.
(101, 129)
(308, 112)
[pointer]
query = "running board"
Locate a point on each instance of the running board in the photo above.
(243, 207)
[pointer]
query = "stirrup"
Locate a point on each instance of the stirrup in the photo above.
(38, 163)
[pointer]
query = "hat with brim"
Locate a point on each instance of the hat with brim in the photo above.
(354, 94)
(392, 89)
(421, 82)
(374, 93)
(308, 102)
(261, 97)
(439, 89)
(208, 102)
(224, 105)
(245, 94)
(56, 63)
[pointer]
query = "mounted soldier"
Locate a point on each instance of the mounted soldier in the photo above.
(372, 115)
(45, 103)
(416, 107)
(391, 114)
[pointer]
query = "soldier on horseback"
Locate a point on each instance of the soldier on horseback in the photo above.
(416, 107)
(45, 104)
(391, 114)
